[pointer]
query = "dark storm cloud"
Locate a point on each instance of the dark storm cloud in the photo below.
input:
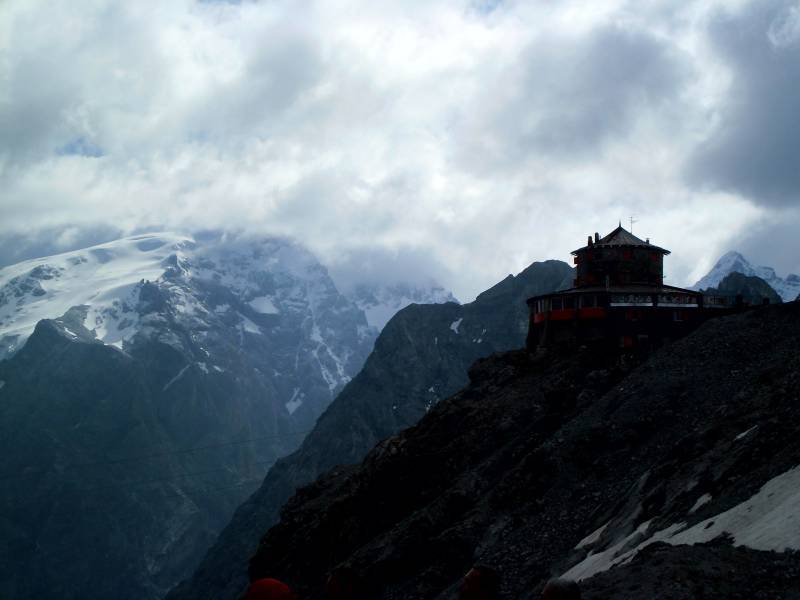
(755, 150)
(566, 96)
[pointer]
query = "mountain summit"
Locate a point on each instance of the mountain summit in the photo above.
(733, 262)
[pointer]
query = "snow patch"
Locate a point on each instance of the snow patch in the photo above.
(264, 305)
(455, 325)
(767, 521)
(249, 326)
(704, 499)
(597, 562)
(296, 400)
(745, 433)
(592, 537)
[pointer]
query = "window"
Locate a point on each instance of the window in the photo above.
(569, 303)
(588, 301)
(557, 304)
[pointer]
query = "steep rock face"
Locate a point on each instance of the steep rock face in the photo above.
(554, 465)
(733, 262)
(421, 356)
(753, 290)
(136, 422)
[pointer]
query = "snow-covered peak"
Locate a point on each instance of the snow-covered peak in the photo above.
(381, 302)
(734, 262)
(160, 283)
(104, 278)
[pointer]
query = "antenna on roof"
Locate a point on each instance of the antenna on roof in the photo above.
(632, 222)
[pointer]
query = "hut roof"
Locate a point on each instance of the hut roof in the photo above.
(621, 237)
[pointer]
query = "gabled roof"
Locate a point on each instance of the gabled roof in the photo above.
(621, 237)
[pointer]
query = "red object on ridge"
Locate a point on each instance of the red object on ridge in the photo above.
(269, 589)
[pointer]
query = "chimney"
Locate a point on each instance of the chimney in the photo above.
(589, 242)
(596, 237)
(647, 241)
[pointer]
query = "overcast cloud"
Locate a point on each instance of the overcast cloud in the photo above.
(454, 140)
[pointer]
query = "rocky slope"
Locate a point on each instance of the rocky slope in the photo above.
(421, 356)
(733, 262)
(577, 465)
(164, 376)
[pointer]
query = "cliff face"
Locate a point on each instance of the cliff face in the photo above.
(421, 356)
(568, 465)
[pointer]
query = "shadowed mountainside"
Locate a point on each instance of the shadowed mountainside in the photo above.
(420, 357)
(556, 464)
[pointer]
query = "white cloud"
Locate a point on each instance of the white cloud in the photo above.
(479, 135)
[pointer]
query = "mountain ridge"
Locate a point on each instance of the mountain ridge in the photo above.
(788, 289)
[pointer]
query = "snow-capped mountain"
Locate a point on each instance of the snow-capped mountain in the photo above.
(255, 288)
(146, 386)
(381, 302)
(733, 262)
(105, 279)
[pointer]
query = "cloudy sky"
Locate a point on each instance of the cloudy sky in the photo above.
(455, 139)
